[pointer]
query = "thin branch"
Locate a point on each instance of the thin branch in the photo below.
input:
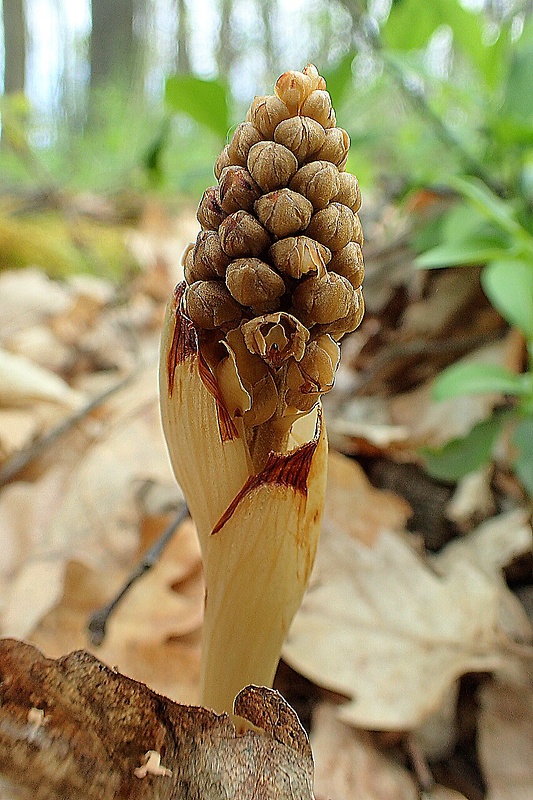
(22, 458)
(98, 621)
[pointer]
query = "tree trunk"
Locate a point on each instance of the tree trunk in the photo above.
(183, 63)
(112, 45)
(14, 45)
(226, 53)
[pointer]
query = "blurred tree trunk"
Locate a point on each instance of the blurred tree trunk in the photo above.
(226, 53)
(112, 45)
(265, 10)
(14, 45)
(183, 62)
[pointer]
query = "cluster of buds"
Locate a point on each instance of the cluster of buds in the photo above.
(249, 345)
(275, 274)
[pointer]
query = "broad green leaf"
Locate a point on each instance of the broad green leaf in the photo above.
(205, 101)
(339, 78)
(490, 205)
(518, 103)
(411, 24)
(501, 212)
(459, 457)
(477, 378)
(454, 254)
(523, 464)
(512, 132)
(509, 286)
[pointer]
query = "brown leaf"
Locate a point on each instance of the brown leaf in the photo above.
(348, 765)
(383, 627)
(505, 740)
(354, 506)
(73, 728)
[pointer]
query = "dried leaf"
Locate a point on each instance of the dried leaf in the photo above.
(505, 740)
(154, 634)
(355, 507)
(379, 626)
(22, 381)
(348, 765)
(73, 728)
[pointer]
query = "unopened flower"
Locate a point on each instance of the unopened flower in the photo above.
(249, 346)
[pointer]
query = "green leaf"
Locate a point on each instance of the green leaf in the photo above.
(411, 24)
(508, 283)
(512, 132)
(490, 205)
(461, 456)
(456, 254)
(523, 464)
(339, 78)
(206, 102)
(466, 238)
(477, 378)
(518, 103)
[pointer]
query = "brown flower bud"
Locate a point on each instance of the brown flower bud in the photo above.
(244, 137)
(209, 305)
(208, 259)
(302, 135)
(222, 162)
(318, 106)
(292, 88)
(275, 337)
(335, 147)
(237, 189)
(299, 255)
(246, 383)
(210, 213)
(187, 262)
(242, 235)
(320, 362)
(351, 321)
(266, 113)
(271, 165)
(332, 226)
(321, 301)
(357, 235)
(349, 193)
(314, 374)
(349, 263)
(317, 81)
(318, 181)
(283, 212)
(254, 283)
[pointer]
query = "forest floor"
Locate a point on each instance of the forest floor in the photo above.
(410, 662)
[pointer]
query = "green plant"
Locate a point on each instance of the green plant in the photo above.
(484, 228)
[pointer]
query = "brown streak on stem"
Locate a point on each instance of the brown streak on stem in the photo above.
(290, 470)
(228, 429)
(184, 340)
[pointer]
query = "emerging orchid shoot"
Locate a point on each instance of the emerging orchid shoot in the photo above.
(250, 344)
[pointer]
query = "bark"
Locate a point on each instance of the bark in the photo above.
(112, 43)
(15, 45)
(73, 728)
(183, 62)
(226, 52)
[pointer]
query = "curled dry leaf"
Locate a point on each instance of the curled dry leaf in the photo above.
(505, 740)
(348, 765)
(382, 627)
(100, 726)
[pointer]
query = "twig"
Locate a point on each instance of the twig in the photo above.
(423, 775)
(98, 621)
(23, 457)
